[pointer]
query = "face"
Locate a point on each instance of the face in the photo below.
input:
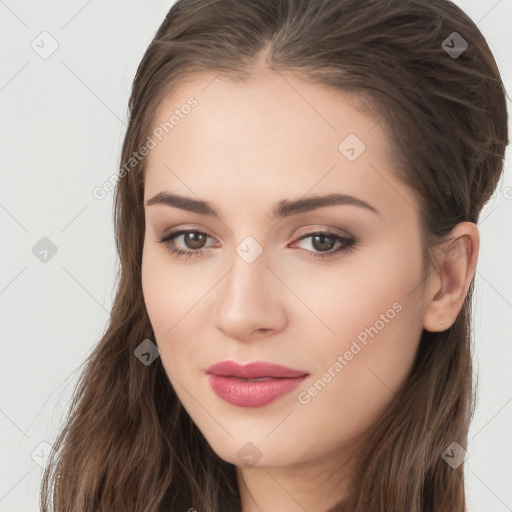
(329, 291)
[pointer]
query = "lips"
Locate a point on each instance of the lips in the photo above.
(254, 384)
(254, 370)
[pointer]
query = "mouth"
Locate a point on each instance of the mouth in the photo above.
(254, 384)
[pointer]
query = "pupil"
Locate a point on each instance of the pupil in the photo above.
(194, 240)
(323, 244)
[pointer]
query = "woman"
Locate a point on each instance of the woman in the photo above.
(296, 221)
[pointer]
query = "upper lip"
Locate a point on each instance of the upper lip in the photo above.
(253, 370)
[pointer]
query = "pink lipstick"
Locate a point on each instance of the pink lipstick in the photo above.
(254, 384)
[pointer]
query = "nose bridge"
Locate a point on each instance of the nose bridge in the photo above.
(247, 300)
(248, 276)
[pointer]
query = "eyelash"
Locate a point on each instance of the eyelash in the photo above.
(349, 244)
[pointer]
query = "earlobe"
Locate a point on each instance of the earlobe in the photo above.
(456, 267)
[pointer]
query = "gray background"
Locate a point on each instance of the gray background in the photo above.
(62, 123)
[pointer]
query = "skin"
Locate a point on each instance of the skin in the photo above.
(244, 148)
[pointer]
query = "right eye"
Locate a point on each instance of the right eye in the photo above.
(193, 238)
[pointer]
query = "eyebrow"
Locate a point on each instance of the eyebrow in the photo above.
(284, 208)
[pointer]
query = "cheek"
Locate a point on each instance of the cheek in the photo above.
(164, 303)
(357, 380)
(365, 293)
(175, 306)
(377, 320)
(158, 296)
(168, 292)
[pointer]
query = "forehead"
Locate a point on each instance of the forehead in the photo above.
(274, 135)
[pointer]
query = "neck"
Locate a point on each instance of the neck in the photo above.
(316, 485)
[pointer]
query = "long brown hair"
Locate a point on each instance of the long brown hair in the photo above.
(128, 444)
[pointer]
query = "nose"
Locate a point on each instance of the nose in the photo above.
(249, 302)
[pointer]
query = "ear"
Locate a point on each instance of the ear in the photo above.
(456, 265)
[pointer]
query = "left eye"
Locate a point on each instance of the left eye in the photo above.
(322, 241)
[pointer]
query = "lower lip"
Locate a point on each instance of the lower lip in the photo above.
(251, 393)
